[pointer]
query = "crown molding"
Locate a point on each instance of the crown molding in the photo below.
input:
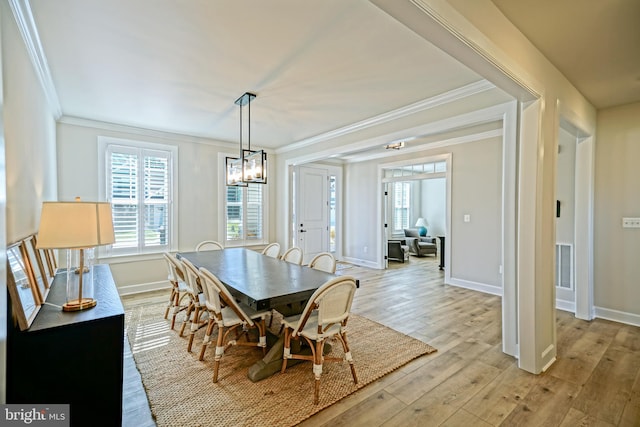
(426, 104)
(24, 19)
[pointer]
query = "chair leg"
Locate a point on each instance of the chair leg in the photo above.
(207, 337)
(219, 353)
(175, 309)
(194, 327)
(286, 354)
(347, 356)
(187, 318)
(317, 370)
(170, 305)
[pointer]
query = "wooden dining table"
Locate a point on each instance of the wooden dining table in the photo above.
(262, 283)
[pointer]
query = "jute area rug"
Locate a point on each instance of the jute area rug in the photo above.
(181, 391)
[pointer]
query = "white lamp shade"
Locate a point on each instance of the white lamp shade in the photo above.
(421, 222)
(75, 225)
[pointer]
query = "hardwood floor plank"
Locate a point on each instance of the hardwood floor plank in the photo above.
(500, 397)
(440, 403)
(611, 385)
(464, 418)
(546, 404)
(577, 418)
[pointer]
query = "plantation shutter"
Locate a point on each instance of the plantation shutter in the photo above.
(123, 195)
(401, 198)
(254, 212)
(138, 187)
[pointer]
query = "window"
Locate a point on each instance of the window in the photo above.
(244, 217)
(139, 180)
(401, 205)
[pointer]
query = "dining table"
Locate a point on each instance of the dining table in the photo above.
(262, 283)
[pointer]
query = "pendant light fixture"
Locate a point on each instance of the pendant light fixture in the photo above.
(251, 166)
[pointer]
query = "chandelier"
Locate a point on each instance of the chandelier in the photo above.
(251, 166)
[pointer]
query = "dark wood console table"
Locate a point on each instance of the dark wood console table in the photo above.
(74, 358)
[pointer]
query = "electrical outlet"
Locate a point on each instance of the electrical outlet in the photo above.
(467, 218)
(365, 249)
(630, 222)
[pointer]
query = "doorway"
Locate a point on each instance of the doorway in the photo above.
(316, 209)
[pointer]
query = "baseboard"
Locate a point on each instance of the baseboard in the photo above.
(362, 263)
(143, 287)
(563, 305)
(475, 286)
(617, 316)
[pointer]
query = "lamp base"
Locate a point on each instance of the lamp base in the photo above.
(422, 231)
(77, 305)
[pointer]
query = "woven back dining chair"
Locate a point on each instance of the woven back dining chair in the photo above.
(272, 250)
(229, 315)
(325, 316)
(324, 261)
(194, 288)
(178, 288)
(209, 245)
(293, 255)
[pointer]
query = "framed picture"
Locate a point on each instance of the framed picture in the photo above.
(24, 296)
(39, 274)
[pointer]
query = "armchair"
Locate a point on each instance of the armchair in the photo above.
(420, 246)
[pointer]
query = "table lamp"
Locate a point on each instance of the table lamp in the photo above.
(78, 227)
(422, 226)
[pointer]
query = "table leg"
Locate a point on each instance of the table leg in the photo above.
(272, 361)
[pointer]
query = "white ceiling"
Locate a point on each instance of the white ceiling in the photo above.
(594, 43)
(178, 66)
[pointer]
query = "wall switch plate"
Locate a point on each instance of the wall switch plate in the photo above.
(467, 218)
(630, 222)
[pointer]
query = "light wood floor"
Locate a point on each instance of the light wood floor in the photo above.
(469, 381)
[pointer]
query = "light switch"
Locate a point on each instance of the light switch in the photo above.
(467, 218)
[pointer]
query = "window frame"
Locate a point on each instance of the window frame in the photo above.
(103, 171)
(222, 203)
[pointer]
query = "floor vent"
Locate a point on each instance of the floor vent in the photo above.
(564, 263)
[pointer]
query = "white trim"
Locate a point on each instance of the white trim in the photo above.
(143, 287)
(426, 104)
(431, 146)
(27, 26)
(617, 316)
(154, 133)
(475, 286)
(565, 305)
(363, 263)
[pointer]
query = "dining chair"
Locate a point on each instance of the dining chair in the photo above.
(209, 245)
(324, 261)
(272, 250)
(194, 288)
(325, 316)
(293, 255)
(178, 288)
(227, 313)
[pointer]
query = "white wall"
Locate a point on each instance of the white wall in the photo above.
(434, 205)
(28, 154)
(29, 136)
(616, 249)
(565, 190)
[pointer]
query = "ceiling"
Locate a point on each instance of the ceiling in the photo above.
(594, 43)
(316, 67)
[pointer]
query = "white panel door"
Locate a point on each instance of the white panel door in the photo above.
(312, 211)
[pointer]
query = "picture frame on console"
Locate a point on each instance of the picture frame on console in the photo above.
(25, 297)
